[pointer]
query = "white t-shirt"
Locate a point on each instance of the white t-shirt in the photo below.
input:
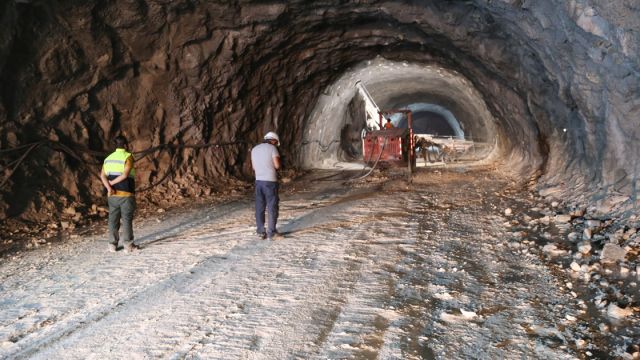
(262, 161)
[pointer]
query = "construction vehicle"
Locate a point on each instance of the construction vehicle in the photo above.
(393, 147)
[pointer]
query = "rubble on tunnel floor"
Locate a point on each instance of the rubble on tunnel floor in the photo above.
(423, 258)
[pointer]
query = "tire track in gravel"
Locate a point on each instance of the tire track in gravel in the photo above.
(74, 306)
(363, 274)
(44, 303)
(459, 268)
(210, 305)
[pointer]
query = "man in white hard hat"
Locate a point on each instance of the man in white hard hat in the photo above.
(265, 160)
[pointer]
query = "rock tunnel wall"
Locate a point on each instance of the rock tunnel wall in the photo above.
(170, 73)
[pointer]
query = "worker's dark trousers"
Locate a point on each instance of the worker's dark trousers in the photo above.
(266, 197)
(121, 207)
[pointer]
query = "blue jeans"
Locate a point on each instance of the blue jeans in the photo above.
(266, 197)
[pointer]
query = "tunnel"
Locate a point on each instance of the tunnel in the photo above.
(527, 248)
(552, 86)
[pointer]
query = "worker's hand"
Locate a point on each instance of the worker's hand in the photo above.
(109, 191)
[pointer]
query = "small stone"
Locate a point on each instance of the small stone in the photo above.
(629, 233)
(584, 247)
(612, 253)
(573, 236)
(600, 303)
(508, 211)
(603, 327)
(554, 204)
(577, 213)
(562, 218)
(553, 250)
(160, 210)
(570, 318)
(575, 266)
(593, 223)
(569, 285)
(581, 344)
(616, 312)
(65, 224)
(70, 211)
(587, 234)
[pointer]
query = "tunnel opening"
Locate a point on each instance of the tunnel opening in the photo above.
(431, 119)
(443, 104)
(429, 122)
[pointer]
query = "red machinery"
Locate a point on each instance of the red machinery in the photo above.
(393, 146)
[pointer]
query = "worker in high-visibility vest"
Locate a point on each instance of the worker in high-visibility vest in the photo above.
(388, 125)
(117, 176)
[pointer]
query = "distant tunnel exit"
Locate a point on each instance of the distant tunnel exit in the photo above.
(432, 119)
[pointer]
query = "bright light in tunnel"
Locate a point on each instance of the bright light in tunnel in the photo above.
(400, 121)
(332, 134)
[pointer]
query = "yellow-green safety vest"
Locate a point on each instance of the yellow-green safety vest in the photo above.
(114, 167)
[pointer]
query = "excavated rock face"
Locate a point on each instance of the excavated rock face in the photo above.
(554, 83)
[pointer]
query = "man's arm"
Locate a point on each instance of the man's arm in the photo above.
(105, 182)
(128, 165)
(276, 162)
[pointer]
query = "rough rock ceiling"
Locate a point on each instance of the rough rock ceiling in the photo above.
(559, 81)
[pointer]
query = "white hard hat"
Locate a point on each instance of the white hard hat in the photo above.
(272, 136)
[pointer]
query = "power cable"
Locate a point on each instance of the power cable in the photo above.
(59, 146)
(374, 165)
(20, 160)
(323, 147)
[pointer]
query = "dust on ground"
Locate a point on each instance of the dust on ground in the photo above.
(378, 268)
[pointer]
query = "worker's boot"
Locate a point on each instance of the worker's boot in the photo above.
(131, 247)
(276, 235)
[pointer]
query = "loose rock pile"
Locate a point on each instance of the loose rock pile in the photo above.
(598, 254)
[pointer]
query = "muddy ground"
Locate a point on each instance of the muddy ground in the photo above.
(375, 268)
